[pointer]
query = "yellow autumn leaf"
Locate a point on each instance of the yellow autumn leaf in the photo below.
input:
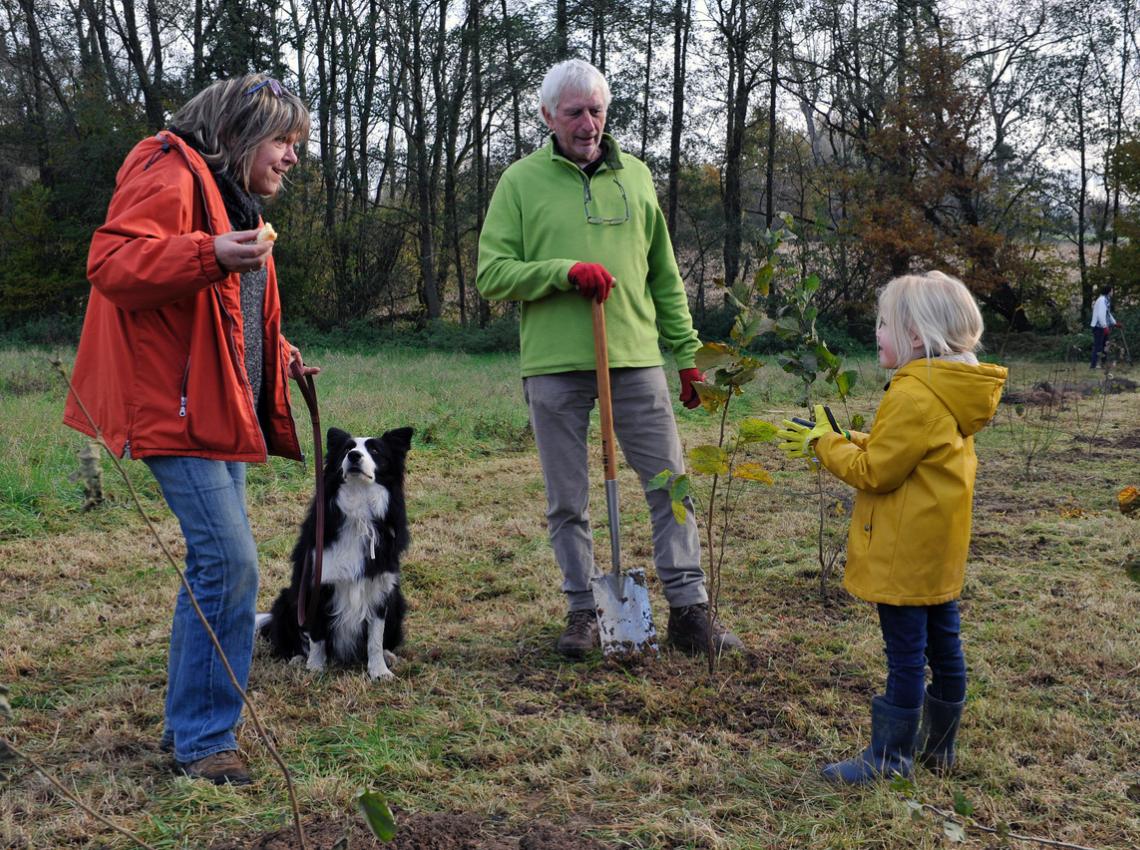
(752, 471)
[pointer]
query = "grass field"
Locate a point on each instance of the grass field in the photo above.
(487, 726)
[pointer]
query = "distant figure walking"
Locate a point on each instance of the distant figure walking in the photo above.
(1102, 323)
(576, 221)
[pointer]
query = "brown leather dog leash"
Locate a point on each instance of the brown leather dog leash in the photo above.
(310, 591)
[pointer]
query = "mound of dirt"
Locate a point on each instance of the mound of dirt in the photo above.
(1047, 394)
(424, 831)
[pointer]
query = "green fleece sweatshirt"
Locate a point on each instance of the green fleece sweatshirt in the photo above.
(537, 228)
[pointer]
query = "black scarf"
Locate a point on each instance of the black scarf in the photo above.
(243, 208)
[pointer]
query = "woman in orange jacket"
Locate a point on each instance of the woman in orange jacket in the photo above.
(910, 526)
(182, 364)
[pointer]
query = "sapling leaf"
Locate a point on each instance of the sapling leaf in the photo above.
(711, 395)
(753, 430)
(712, 354)
(660, 481)
(903, 785)
(680, 513)
(760, 325)
(752, 471)
(709, 460)
(962, 806)
(811, 283)
(954, 831)
(374, 807)
(763, 279)
(858, 421)
(680, 488)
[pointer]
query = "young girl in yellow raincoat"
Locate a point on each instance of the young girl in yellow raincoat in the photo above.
(910, 526)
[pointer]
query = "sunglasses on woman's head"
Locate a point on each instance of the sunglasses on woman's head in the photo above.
(274, 86)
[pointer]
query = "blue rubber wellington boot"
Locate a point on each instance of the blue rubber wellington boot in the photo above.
(893, 732)
(937, 733)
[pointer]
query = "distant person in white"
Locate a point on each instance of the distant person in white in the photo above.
(1102, 321)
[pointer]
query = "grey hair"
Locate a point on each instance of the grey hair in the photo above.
(936, 308)
(229, 123)
(574, 76)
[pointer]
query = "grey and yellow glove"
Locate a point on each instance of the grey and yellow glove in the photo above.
(799, 435)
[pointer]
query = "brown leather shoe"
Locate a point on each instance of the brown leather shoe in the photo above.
(689, 631)
(580, 634)
(226, 767)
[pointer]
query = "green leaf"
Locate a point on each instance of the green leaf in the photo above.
(760, 325)
(660, 481)
(954, 831)
(763, 278)
(787, 325)
(825, 355)
(709, 460)
(753, 430)
(962, 806)
(741, 293)
(811, 283)
(680, 514)
(858, 421)
(377, 815)
(712, 396)
(903, 785)
(680, 488)
(845, 382)
(752, 471)
(713, 354)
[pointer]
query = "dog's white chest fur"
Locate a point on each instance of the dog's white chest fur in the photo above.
(353, 606)
(362, 504)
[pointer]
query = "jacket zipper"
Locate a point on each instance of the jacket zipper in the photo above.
(185, 383)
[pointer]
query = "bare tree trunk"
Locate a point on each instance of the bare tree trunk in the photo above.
(648, 78)
(770, 165)
(682, 20)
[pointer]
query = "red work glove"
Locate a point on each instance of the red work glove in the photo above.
(592, 280)
(689, 396)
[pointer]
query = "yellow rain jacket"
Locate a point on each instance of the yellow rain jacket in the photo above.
(910, 528)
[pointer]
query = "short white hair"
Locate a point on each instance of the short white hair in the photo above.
(574, 76)
(935, 307)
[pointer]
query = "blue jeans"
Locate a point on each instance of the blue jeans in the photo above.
(202, 706)
(916, 635)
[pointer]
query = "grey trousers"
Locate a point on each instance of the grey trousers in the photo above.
(560, 406)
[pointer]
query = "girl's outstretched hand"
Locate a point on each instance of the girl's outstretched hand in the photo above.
(798, 435)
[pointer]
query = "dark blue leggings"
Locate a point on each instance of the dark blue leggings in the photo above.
(917, 635)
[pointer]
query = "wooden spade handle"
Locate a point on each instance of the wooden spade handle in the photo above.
(605, 400)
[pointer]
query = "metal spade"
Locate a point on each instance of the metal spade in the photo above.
(625, 620)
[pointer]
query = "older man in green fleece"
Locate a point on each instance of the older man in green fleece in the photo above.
(578, 220)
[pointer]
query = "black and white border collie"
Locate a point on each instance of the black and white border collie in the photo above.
(361, 612)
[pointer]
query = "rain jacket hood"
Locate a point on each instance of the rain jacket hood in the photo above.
(915, 470)
(970, 392)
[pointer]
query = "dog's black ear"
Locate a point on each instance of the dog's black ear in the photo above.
(399, 438)
(334, 439)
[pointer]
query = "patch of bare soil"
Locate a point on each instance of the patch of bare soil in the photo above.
(1048, 393)
(425, 831)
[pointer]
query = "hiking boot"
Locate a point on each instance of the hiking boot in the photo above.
(580, 634)
(689, 631)
(219, 768)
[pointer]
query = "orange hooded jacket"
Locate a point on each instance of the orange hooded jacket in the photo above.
(160, 361)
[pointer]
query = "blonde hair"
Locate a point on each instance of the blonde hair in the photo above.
(574, 76)
(935, 307)
(229, 122)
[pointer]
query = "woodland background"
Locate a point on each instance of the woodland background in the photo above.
(997, 141)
